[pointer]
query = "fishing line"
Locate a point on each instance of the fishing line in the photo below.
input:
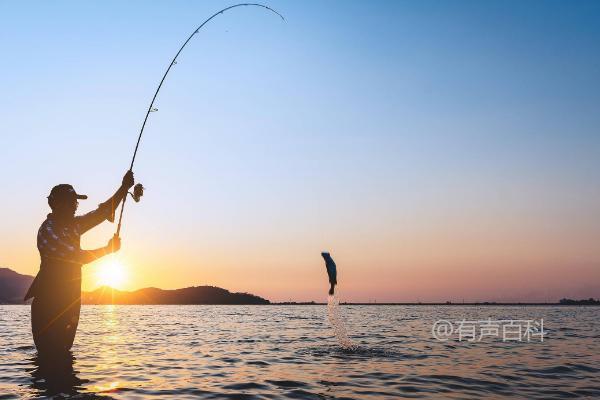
(137, 195)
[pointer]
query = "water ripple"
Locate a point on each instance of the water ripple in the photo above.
(262, 352)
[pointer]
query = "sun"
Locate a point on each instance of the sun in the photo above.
(111, 273)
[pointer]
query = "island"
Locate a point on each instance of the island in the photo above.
(13, 287)
(189, 295)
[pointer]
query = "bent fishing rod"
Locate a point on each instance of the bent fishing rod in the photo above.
(138, 189)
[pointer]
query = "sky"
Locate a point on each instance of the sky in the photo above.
(439, 150)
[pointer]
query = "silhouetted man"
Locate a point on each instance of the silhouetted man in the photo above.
(331, 271)
(57, 287)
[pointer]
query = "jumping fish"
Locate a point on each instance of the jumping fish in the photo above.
(331, 271)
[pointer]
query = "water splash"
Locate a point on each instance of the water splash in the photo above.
(339, 328)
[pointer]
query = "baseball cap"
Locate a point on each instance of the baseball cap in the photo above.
(65, 191)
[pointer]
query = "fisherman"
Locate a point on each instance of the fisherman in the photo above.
(57, 287)
(331, 271)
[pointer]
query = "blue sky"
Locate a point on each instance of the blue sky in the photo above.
(412, 139)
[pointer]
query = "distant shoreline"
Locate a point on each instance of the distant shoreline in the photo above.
(435, 304)
(13, 287)
(344, 304)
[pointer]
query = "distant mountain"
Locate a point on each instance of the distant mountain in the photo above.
(13, 287)
(190, 295)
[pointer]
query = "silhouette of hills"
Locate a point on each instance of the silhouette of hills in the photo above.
(189, 295)
(13, 287)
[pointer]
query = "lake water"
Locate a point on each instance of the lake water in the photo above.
(292, 352)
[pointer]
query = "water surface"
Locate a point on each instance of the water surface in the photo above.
(291, 352)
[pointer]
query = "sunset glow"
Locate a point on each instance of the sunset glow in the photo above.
(441, 152)
(111, 273)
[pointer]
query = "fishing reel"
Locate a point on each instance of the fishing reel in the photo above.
(138, 192)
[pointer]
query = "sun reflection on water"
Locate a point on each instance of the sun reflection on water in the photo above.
(107, 388)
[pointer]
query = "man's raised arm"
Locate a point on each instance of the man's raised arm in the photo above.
(55, 247)
(87, 256)
(106, 210)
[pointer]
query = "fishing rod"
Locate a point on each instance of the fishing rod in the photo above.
(138, 189)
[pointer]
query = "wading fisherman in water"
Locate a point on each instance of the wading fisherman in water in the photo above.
(57, 287)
